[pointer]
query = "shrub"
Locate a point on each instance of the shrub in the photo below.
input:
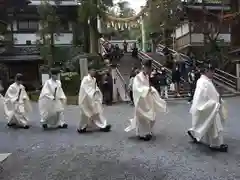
(70, 83)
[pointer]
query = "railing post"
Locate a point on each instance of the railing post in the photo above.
(83, 63)
(115, 90)
(143, 34)
(238, 74)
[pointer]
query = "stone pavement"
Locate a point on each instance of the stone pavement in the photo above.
(65, 155)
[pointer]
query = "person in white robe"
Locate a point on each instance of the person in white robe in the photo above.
(90, 103)
(147, 102)
(17, 104)
(52, 101)
(208, 113)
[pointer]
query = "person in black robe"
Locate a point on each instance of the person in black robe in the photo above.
(125, 46)
(176, 78)
(107, 88)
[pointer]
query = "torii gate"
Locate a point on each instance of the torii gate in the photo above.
(129, 22)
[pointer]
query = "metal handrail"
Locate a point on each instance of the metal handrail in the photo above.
(221, 71)
(124, 84)
(142, 54)
(218, 77)
(224, 78)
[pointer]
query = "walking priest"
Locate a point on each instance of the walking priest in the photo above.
(90, 103)
(51, 102)
(17, 104)
(208, 113)
(147, 102)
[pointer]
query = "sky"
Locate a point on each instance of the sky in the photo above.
(135, 4)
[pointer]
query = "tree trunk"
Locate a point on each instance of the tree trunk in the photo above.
(86, 37)
(93, 36)
(167, 37)
(154, 46)
(235, 26)
(93, 25)
(51, 60)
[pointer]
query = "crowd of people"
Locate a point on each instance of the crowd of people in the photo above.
(160, 80)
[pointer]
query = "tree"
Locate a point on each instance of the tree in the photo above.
(89, 12)
(163, 17)
(49, 32)
(122, 10)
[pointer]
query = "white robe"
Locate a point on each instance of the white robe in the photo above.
(17, 105)
(146, 103)
(208, 113)
(52, 101)
(90, 103)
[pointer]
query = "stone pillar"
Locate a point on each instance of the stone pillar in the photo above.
(143, 34)
(115, 90)
(83, 63)
(238, 74)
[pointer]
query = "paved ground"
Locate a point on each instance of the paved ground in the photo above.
(126, 63)
(66, 155)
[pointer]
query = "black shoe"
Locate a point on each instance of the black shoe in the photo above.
(192, 137)
(221, 148)
(147, 137)
(64, 126)
(44, 126)
(11, 125)
(106, 129)
(80, 131)
(26, 127)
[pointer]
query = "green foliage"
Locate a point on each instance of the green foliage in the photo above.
(50, 25)
(123, 10)
(70, 83)
(164, 12)
(88, 12)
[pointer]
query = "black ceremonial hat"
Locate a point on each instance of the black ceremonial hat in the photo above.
(54, 71)
(147, 63)
(19, 77)
(209, 66)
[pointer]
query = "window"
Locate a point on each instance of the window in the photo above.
(28, 42)
(28, 25)
(64, 26)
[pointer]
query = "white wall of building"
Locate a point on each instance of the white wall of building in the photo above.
(199, 38)
(225, 37)
(21, 38)
(64, 3)
(182, 30)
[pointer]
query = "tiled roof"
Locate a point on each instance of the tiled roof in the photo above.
(211, 1)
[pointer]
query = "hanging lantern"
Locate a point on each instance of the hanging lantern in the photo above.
(119, 25)
(122, 27)
(116, 26)
(112, 23)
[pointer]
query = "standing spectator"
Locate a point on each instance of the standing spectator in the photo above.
(176, 78)
(133, 74)
(154, 80)
(163, 83)
(134, 50)
(125, 46)
(192, 84)
(197, 74)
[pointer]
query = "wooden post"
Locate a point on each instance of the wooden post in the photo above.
(238, 74)
(83, 63)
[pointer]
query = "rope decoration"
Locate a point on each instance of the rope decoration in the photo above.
(128, 22)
